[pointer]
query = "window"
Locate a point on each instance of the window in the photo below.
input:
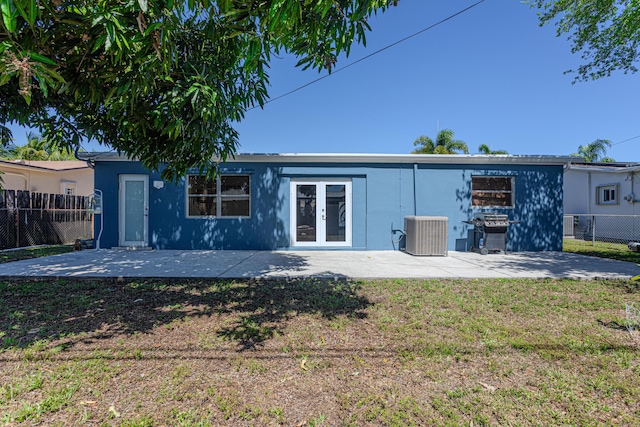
(492, 191)
(224, 196)
(607, 194)
(68, 188)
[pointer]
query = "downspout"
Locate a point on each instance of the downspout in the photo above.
(415, 190)
(96, 192)
(589, 199)
(89, 161)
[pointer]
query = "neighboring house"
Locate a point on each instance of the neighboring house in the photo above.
(602, 197)
(53, 177)
(602, 188)
(329, 201)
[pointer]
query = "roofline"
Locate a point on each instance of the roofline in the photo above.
(24, 165)
(606, 169)
(370, 158)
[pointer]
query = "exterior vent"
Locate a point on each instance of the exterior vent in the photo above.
(567, 228)
(427, 235)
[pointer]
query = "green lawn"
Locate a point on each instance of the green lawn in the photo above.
(36, 252)
(617, 251)
(310, 352)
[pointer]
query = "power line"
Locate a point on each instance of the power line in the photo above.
(373, 53)
(620, 142)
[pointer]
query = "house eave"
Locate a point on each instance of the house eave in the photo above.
(24, 166)
(605, 169)
(457, 159)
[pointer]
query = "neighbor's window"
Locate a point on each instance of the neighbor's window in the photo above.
(607, 194)
(492, 191)
(68, 187)
(224, 196)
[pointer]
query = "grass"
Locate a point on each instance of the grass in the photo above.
(35, 252)
(617, 251)
(311, 352)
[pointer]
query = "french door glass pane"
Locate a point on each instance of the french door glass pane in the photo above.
(306, 213)
(336, 213)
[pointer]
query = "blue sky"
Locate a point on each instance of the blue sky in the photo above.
(491, 74)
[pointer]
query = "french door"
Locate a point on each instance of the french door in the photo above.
(134, 210)
(320, 212)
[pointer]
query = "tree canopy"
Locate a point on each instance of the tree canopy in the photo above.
(162, 81)
(605, 32)
(595, 151)
(444, 144)
(485, 149)
(36, 148)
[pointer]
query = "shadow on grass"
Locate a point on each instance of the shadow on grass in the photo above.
(11, 255)
(86, 310)
(613, 325)
(628, 286)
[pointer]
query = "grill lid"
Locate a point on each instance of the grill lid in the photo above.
(491, 219)
(491, 216)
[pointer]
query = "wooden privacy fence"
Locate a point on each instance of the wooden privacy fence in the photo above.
(28, 219)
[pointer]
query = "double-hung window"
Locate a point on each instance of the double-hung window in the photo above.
(492, 191)
(223, 196)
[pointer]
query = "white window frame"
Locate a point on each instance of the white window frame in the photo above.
(68, 185)
(604, 196)
(512, 205)
(218, 196)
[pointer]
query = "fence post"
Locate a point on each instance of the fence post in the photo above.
(593, 230)
(17, 223)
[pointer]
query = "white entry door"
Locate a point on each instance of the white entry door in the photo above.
(134, 210)
(320, 213)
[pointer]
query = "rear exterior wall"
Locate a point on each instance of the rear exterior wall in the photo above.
(382, 195)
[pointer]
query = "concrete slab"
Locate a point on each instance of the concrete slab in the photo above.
(328, 264)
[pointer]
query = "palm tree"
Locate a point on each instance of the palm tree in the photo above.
(38, 148)
(484, 149)
(34, 149)
(5, 136)
(444, 144)
(595, 151)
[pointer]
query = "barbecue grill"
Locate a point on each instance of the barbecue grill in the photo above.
(490, 232)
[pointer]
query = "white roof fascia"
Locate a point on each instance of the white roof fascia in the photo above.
(18, 165)
(611, 169)
(373, 158)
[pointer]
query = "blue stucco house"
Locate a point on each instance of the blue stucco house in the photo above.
(321, 201)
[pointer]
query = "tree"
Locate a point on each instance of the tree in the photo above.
(607, 33)
(36, 148)
(444, 144)
(484, 149)
(162, 81)
(595, 151)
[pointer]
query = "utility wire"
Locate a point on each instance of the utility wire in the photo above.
(620, 142)
(372, 54)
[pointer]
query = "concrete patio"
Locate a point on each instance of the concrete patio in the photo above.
(345, 264)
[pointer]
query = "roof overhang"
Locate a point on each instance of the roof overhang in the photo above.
(77, 165)
(605, 169)
(497, 159)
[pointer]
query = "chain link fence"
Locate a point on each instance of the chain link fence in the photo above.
(30, 227)
(602, 229)
(30, 219)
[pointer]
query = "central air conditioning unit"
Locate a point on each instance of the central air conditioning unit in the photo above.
(427, 235)
(567, 225)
